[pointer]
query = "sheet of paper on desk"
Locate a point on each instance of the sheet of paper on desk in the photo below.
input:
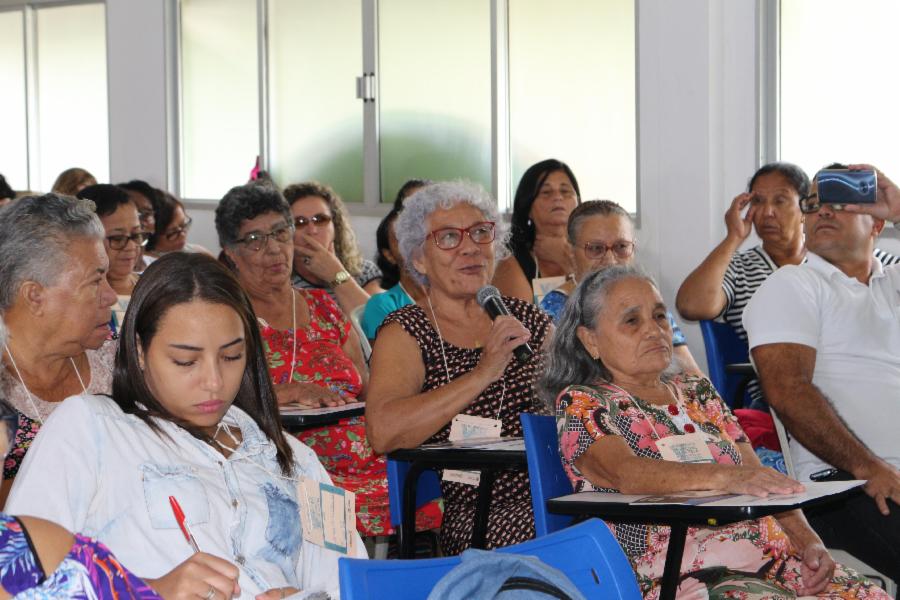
(296, 409)
(717, 498)
(506, 443)
(814, 489)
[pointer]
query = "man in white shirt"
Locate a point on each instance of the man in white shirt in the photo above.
(825, 338)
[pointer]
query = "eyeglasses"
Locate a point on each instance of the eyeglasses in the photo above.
(257, 240)
(118, 242)
(811, 204)
(448, 238)
(319, 219)
(145, 215)
(621, 249)
(174, 233)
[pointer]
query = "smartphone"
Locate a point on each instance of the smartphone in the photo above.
(831, 474)
(840, 186)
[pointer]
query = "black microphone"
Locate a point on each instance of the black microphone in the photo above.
(489, 299)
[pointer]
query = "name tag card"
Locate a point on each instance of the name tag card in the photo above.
(465, 427)
(327, 515)
(689, 448)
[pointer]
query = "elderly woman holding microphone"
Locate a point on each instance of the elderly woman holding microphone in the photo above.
(55, 300)
(625, 425)
(442, 363)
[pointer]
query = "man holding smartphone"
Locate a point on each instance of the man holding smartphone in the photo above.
(825, 339)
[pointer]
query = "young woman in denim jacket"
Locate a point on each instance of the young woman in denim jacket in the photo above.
(192, 416)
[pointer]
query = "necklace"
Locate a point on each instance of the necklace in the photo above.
(294, 329)
(678, 417)
(31, 402)
(437, 328)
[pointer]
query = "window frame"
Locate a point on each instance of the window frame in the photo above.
(372, 204)
(32, 118)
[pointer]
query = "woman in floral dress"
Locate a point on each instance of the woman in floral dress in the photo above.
(314, 356)
(626, 426)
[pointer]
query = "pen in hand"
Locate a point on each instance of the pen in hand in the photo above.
(179, 517)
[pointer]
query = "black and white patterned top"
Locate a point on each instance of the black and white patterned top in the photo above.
(745, 273)
(510, 518)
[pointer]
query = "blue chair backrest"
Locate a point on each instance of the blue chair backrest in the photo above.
(428, 488)
(545, 470)
(724, 347)
(587, 553)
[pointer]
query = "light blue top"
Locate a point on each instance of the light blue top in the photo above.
(107, 474)
(554, 303)
(380, 306)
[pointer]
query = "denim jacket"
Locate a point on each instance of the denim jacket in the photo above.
(104, 473)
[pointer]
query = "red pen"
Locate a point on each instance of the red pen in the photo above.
(179, 517)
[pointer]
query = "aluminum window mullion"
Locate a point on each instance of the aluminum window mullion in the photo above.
(768, 81)
(32, 115)
(371, 130)
(500, 144)
(262, 55)
(174, 152)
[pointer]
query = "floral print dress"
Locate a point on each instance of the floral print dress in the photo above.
(747, 560)
(89, 570)
(343, 449)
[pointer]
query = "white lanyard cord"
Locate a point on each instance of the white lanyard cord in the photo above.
(444, 355)
(31, 402)
(653, 422)
(294, 328)
(236, 456)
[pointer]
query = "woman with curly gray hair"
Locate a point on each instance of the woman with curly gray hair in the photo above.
(325, 252)
(442, 362)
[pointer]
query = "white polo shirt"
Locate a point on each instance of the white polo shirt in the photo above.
(855, 330)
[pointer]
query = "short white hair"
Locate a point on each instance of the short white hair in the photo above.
(411, 227)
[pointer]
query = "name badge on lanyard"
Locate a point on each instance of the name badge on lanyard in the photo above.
(465, 427)
(688, 448)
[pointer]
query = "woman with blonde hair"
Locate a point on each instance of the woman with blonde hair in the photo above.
(71, 181)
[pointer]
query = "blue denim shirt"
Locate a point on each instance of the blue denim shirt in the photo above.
(99, 471)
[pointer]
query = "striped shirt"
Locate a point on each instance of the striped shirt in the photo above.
(745, 273)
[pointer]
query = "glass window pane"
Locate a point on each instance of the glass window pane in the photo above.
(71, 91)
(840, 78)
(220, 95)
(14, 149)
(316, 121)
(434, 91)
(572, 93)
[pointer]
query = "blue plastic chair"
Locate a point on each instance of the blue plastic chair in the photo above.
(428, 488)
(545, 470)
(587, 553)
(724, 347)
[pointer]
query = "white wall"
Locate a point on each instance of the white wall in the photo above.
(697, 134)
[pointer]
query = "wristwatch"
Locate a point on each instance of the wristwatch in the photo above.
(340, 277)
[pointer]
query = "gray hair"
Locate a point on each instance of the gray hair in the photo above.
(568, 361)
(593, 208)
(411, 227)
(35, 232)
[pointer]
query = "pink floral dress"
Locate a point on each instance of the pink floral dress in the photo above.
(747, 560)
(343, 448)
